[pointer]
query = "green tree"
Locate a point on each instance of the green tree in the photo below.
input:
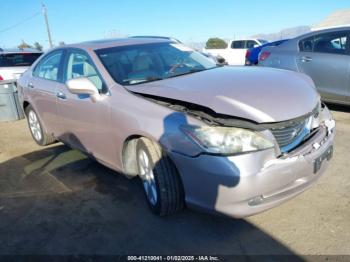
(38, 46)
(215, 43)
(24, 45)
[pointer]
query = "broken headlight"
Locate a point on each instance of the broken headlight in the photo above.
(227, 140)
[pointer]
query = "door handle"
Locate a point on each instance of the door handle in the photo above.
(306, 59)
(61, 95)
(30, 85)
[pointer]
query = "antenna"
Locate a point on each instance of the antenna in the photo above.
(47, 24)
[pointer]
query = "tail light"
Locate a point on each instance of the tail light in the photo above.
(264, 55)
(247, 54)
(1, 78)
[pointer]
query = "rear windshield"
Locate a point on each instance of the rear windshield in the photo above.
(18, 59)
(262, 41)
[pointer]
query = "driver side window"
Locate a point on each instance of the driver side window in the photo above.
(49, 67)
(80, 65)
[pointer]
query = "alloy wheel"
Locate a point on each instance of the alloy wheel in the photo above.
(147, 177)
(34, 125)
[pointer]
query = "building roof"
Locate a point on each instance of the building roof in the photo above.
(338, 18)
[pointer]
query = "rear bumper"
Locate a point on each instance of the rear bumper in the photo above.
(247, 184)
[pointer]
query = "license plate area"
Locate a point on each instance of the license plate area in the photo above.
(328, 154)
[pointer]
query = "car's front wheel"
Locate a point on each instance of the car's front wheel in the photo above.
(36, 128)
(160, 179)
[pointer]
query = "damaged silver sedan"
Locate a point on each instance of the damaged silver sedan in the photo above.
(228, 139)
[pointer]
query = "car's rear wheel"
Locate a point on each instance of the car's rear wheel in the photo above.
(160, 179)
(36, 128)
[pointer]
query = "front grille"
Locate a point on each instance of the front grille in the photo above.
(290, 135)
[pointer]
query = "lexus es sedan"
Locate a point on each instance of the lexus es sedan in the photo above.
(233, 140)
(323, 55)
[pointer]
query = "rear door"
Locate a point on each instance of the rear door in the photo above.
(83, 123)
(42, 86)
(325, 58)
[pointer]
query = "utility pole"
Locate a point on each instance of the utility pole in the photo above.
(47, 24)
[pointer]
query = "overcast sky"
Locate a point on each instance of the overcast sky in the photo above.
(187, 20)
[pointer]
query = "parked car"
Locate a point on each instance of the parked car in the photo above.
(323, 55)
(13, 62)
(252, 55)
(236, 50)
(224, 139)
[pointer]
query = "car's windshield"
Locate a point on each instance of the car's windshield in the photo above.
(18, 59)
(262, 41)
(134, 64)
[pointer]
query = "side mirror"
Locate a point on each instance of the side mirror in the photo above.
(220, 61)
(83, 86)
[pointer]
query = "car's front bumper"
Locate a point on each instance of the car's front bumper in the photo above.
(247, 184)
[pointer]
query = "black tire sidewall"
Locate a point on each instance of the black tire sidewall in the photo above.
(41, 142)
(141, 146)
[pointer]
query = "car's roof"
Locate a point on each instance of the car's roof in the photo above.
(18, 50)
(154, 36)
(329, 30)
(106, 43)
(292, 44)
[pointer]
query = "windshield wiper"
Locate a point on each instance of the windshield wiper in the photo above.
(143, 80)
(191, 71)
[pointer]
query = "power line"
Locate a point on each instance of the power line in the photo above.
(20, 23)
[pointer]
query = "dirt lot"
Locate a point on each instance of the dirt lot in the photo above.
(55, 200)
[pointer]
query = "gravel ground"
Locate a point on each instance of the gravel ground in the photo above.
(55, 200)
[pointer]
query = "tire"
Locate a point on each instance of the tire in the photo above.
(36, 128)
(166, 181)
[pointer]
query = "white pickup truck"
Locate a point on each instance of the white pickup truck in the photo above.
(235, 52)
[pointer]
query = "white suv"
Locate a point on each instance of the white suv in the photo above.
(13, 62)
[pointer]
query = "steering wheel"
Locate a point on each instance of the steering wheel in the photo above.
(175, 66)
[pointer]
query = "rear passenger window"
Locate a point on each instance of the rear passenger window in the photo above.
(237, 45)
(331, 43)
(306, 45)
(79, 65)
(48, 68)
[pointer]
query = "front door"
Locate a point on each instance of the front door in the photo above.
(85, 124)
(237, 52)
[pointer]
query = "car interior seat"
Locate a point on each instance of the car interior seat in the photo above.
(142, 67)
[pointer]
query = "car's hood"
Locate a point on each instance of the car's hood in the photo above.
(259, 94)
